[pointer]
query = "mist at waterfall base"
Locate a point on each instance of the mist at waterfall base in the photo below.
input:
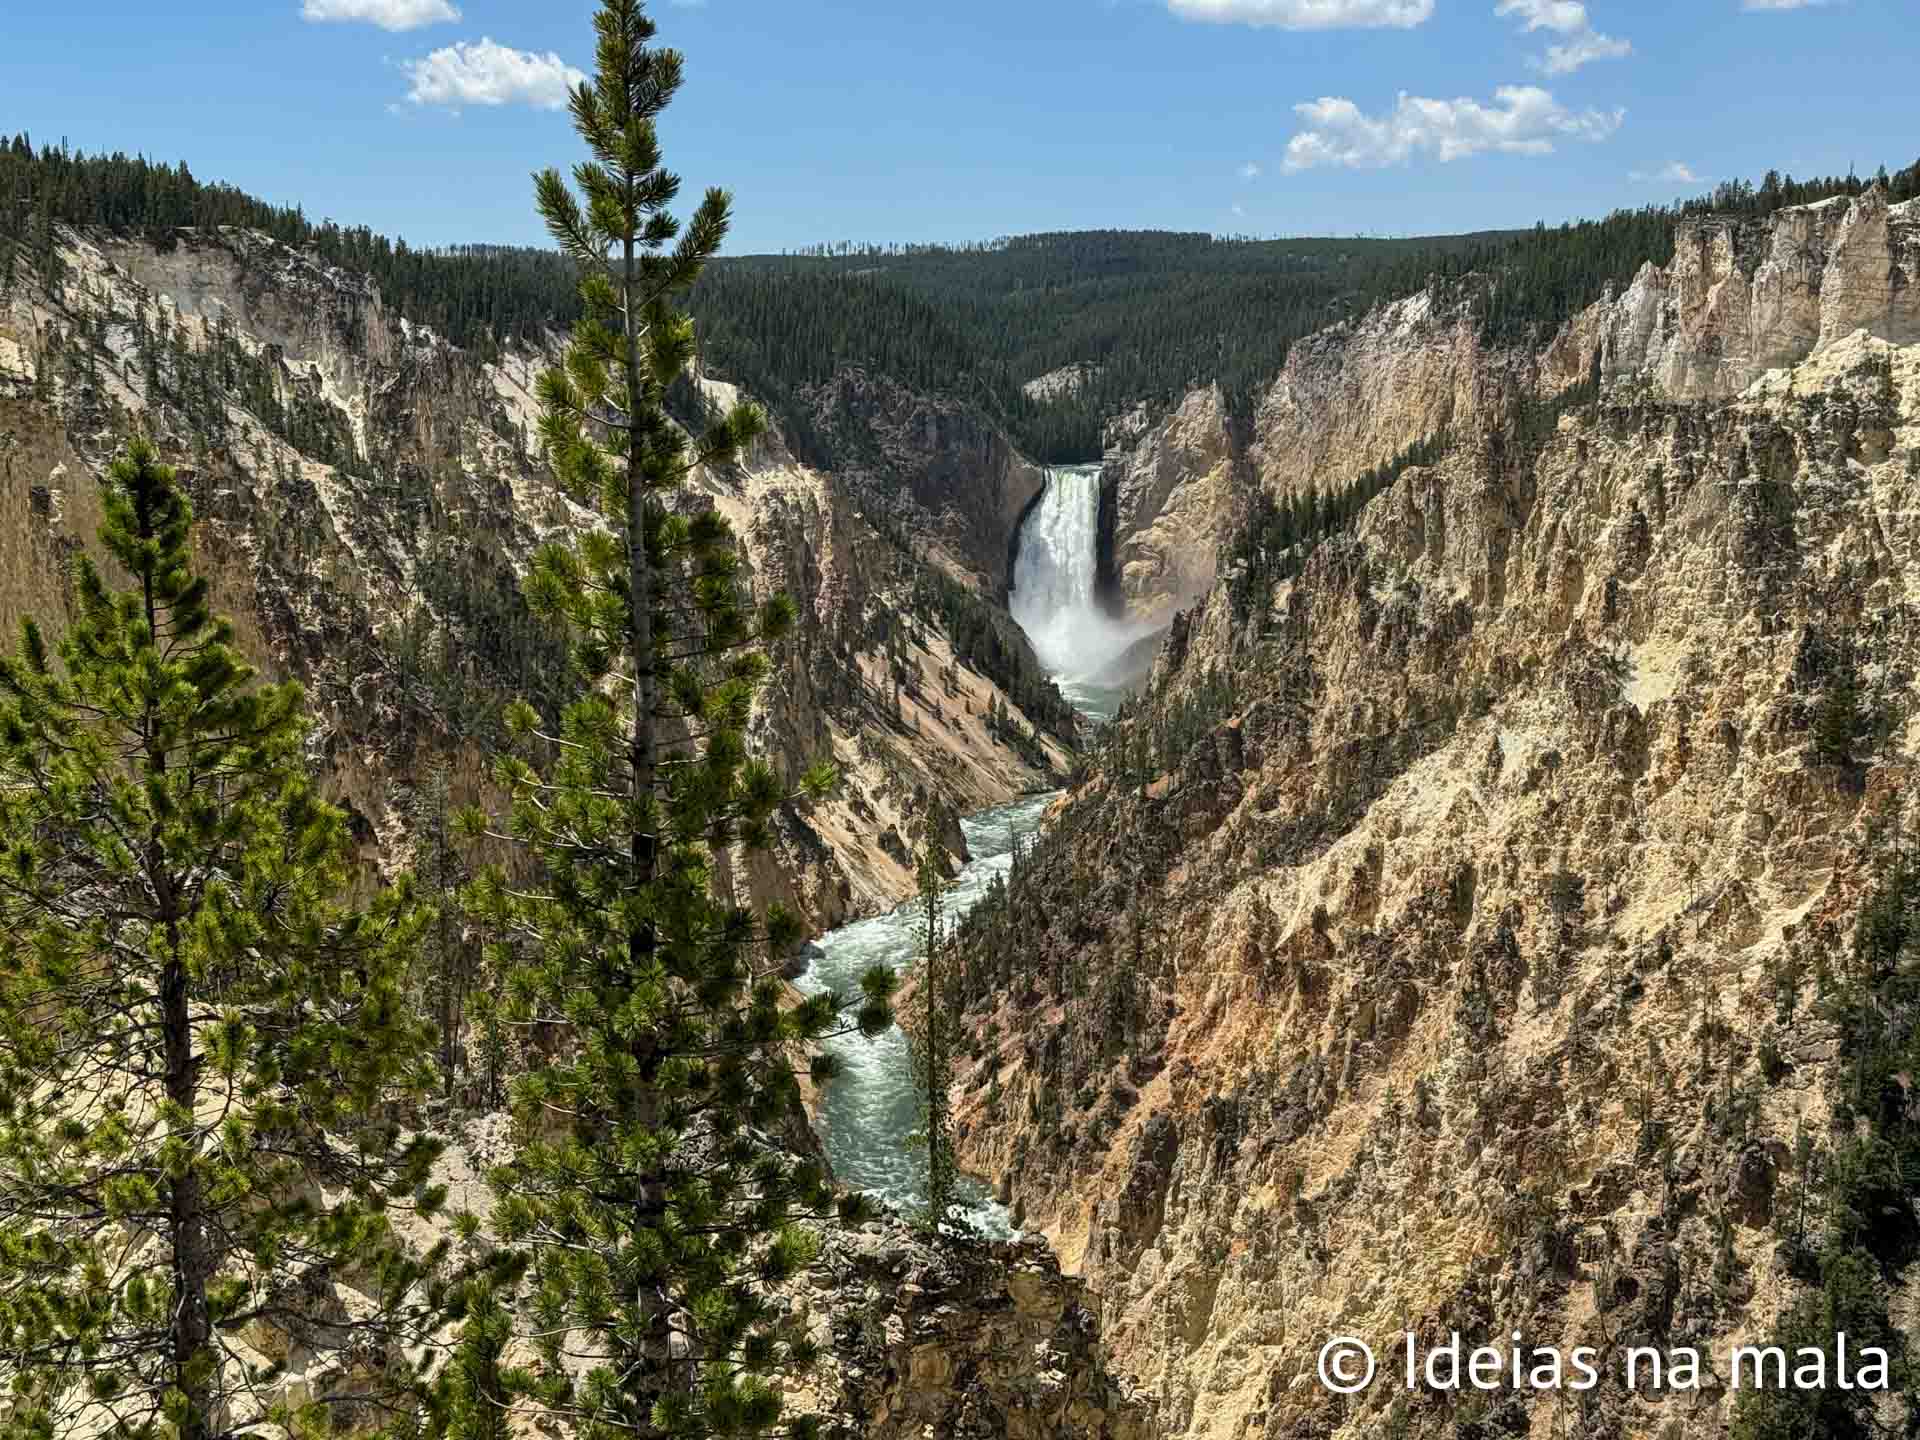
(868, 1113)
(1055, 567)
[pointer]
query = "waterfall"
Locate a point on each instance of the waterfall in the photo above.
(1054, 570)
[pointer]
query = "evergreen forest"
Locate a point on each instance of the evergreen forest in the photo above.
(1143, 315)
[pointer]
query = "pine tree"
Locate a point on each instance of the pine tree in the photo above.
(197, 1031)
(938, 1032)
(1838, 721)
(46, 252)
(645, 1189)
(446, 961)
(473, 1398)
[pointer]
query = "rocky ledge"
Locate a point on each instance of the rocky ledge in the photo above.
(925, 1336)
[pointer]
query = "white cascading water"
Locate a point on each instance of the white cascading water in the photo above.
(1053, 587)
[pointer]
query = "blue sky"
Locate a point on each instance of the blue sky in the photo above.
(966, 119)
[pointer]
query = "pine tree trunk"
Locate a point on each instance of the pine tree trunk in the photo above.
(640, 585)
(449, 1009)
(192, 1261)
(449, 958)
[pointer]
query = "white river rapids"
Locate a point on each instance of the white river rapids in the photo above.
(869, 1113)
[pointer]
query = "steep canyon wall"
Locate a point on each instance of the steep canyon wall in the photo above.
(369, 496)
(1440, 949)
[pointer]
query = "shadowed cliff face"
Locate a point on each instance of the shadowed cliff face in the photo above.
(368, 496)
(1438, 948)
(960, 473)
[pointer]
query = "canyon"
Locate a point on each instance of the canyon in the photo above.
(1435, 946)
(367, 501)
(1435, 942)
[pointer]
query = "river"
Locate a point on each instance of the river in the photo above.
(867, 1115)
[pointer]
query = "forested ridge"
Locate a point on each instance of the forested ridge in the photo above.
(477, 296)
(1149, 314)
(1154, 313)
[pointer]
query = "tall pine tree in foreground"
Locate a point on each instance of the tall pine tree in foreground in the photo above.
(646, 1189)
(201, 1040)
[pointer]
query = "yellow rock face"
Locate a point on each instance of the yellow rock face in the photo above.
(1464, 916)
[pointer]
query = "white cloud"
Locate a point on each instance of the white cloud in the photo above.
(387, 14)
(1523, 120)
(1308, 14)
(1784, 4)
(489, 74)
(1678, 173)
(1583, 43)
(1589, 46)
(1250, 170)
(1564, 17)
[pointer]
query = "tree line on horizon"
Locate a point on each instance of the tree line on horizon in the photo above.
(1150, 314)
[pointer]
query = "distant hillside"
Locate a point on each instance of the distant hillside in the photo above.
(1147, 314)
